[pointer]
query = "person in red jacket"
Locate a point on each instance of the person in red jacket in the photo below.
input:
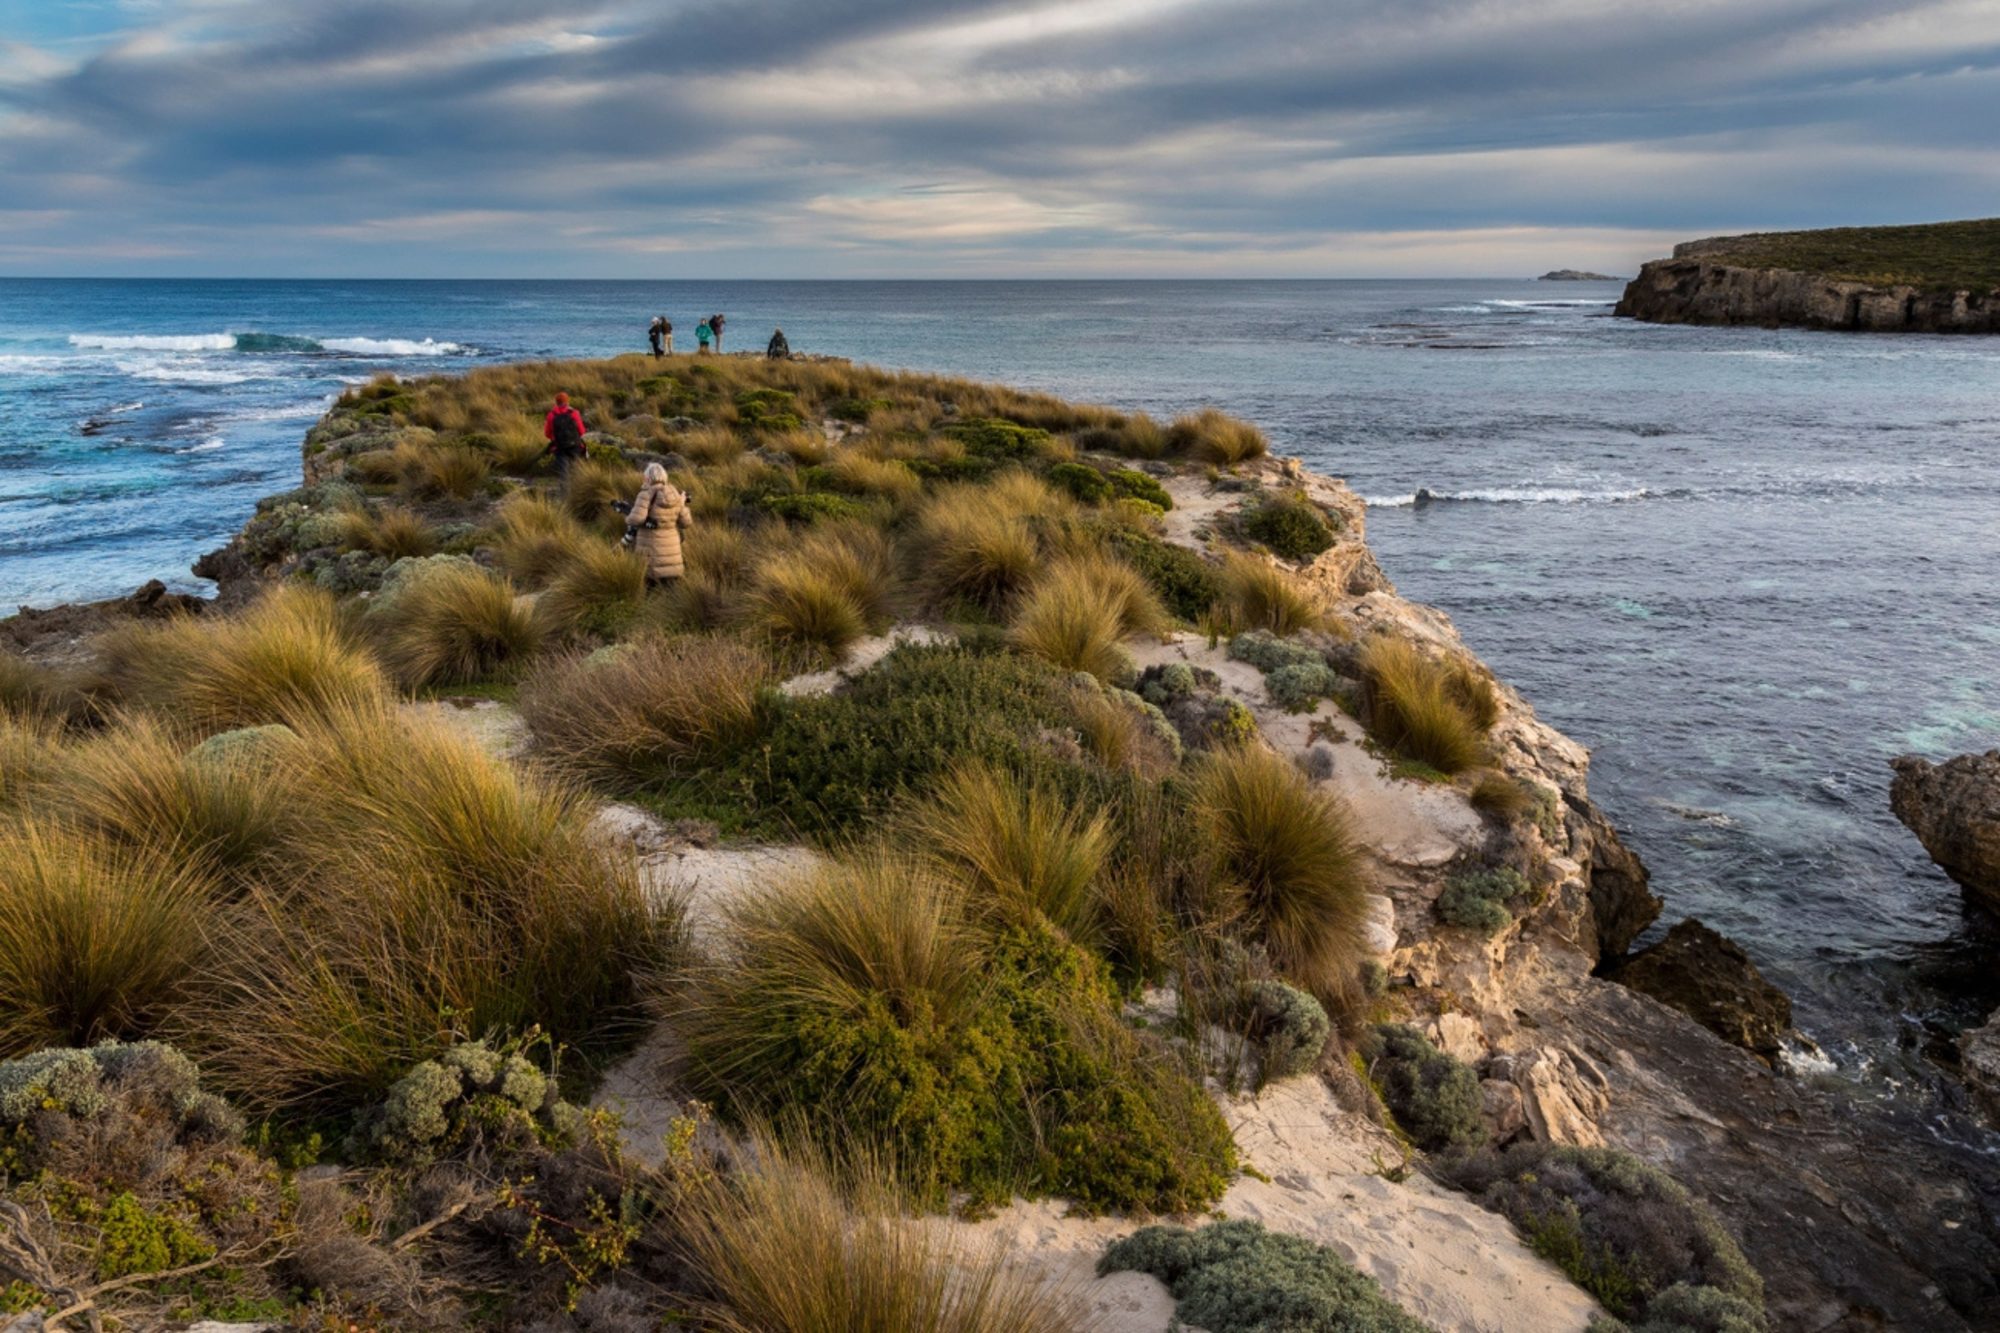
(563, 429)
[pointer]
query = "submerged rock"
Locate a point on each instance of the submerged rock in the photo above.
(1954, 809)
(1709, 978)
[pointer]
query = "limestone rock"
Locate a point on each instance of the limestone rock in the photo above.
(1979, 1064)
(1709, 978)
(1563, 1094)
(1620, 900)
(1697, 289)
(1954, 809)
(1503, 1108)
(1380, 927)
(1458, 1036)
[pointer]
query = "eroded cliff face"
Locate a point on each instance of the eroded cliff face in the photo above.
(1695, 287)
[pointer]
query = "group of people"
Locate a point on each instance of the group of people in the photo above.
(658, 513)
(660, 334)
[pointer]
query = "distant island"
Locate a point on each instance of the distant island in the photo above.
(1575, 275)
(1938, 278)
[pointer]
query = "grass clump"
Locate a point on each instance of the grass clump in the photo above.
(450, 622)
(1417, 708)
(385, 530)
(596, 592)
(793, 1244)
(865, 1005)
(534, 536)
(285, 660)
(1210, 436)
(1500, 797)
(1480, 899)
(593, 484)
(1236, 1277)
(1077, 614)
(838, 584)
(1291, 526)
(972, 546)
(451, 471)
(648, 710)
(1624, 1231)
(1286, 866)
(97, 940)
(1018, 849)
(1434, 1098)
(1260, 595)
(31, 754)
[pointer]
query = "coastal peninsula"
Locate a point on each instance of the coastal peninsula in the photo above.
(1937, 278)
(1056, 802)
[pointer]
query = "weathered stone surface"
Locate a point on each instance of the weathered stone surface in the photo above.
(1504, 1109)
(1620, 901)
(1954, 809)
(1979, 1063)
(1689, 289)
(1563, 1093)
(1709, 978)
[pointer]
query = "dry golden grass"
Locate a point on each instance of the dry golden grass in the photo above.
(967, 546)
(1413, 706)
(708, 445)
(454, 624)
(597, 590)
(797, 603)
(388, 530)
(1210, 436)
(1287, 865)
(593, 484)
(1116, 735)
(533, 535)
(31, 753)
(517, 448)
(449, 471)
(1071, 622)
(1018, 849)
(1259, 595)
(859, 474)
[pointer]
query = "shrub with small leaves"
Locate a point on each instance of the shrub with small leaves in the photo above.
(1290, 525)
(1082, 481)
(1236, 1277)
(992, 438)
(432, 1109)
(1478, 899)
(1434, 1098)
(1295, 676)
(1289, 1026)
(1132, 484)
(1188, 585)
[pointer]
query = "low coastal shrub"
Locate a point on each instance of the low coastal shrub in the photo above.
(1286, 864)
(791, 1243)
(596, 592)
(1210, 436)
(864, 1006)
(1290, 525)
(97, 940)
(1289, 1026)
(1413, 706)
(287, 659)
(1000, 440)
(1295, 676)
(1020, 851)
(439, 882)
(1624, 1231)
(450, 622)
(1237, 1277)
(1081, 482)
(1260, 595)
(1186, 584)
(647, 710)
(1434, 1098)
(1482, 899)
(1132, 484)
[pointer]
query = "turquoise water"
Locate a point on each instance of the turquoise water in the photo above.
(1744, 566)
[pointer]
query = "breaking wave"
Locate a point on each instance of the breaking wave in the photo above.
(264, 342)
(1520, 495)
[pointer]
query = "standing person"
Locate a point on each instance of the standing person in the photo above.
(654, 333)
(702, 333)
(563, 429)
(653, 525)
(778, 349)
(667, 333)
(715, 323)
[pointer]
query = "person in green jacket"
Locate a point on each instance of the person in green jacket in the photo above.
(702, 333)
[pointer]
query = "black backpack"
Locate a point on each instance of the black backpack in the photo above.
(568, 438)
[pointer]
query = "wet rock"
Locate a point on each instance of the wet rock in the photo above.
(1709, 978)
(1979, 1065)
(1954, 809)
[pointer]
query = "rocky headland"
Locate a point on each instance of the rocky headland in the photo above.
(1496, 909)
(1942, 278)
(1575, 275)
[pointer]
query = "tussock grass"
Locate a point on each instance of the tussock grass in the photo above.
(593, 484)
(597, 590)
(1117, 735)
(1284, 858)
(792, 1244)
(970, 547)
(444, 891)
(838, 583)
(27, 688)
(655, 707)
(217, 811)
(1019, 849)
(31, 753)
(388, 530)
(858, 474)
(97, 941)
(1414, 706)
(1072, 620)
(284, 660)
(534, 536)
(453, 625)
(517, 448)
(1210, 436)
(1259, 595)
(450, 471)
(708, 445)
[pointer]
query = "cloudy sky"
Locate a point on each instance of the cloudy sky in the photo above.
(801, 138)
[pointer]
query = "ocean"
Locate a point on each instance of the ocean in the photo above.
(1744, 566)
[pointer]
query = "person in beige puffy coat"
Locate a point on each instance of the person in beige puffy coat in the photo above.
(655, 521)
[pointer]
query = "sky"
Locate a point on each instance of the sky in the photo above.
(972, 138)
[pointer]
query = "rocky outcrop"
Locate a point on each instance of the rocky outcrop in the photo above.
(1709, 978)
(1979, 1065)
(1705, 290)
(1954, 809)
(1574, 275)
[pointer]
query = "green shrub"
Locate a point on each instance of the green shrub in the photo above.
(1186, 583)
(1624, 1231)
(1081, 482)
(1433, 1097)
(808, 507)
(992, 438)
(134, 1239)
(1291, 526)
(856, 409)
(1236, 1277)
(1285, 860)
(1414, 707)
(1132, 484)
(1289, 1026)
(861, 1005)
(1682, 1308)
(1295, 676)
(1478, 899)
(471, 1089)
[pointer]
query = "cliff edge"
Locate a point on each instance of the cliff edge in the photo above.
(1939, 278)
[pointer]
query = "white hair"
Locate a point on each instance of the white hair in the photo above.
(655, 473)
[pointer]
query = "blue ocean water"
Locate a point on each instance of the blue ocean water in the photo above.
(1744, 566)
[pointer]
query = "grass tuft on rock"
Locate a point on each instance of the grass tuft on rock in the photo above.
(1420, 708)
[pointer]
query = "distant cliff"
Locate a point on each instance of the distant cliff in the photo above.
(1940, 278)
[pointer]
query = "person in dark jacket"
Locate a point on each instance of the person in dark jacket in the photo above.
(778, 349)
(655, 332)
(715, 327)
(563, 429)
